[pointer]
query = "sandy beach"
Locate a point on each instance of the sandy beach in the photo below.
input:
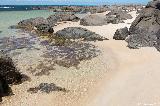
(119, 76)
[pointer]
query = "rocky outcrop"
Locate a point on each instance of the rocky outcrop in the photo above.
(93, 20)
(29, 24)
(121, 34)
(144, 30)
(8, 75)
(53, 19)
(78, 33)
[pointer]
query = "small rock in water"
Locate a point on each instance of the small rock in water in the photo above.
(47, 88)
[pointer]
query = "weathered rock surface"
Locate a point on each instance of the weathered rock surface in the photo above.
(29, 24)
(121, 34)
(44, 28)
(113, 19)
(144, 29)
(78, 33)
(8, 75)
(93, 20)
(53, 19)
(121, 14)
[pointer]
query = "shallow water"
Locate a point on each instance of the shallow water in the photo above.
(8, 18)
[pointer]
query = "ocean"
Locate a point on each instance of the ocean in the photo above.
(8, 18)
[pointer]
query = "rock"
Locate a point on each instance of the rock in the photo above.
(144, 29)
(5, 90)
(47, 88)
(121, 34)
(8, 75)
(114, 19)
(53, 19)
(0, 31)
(8, 70)
(44, 28)
(29, 24)
(13, 27)
(120, 14)
(93, 20)
(78, 33)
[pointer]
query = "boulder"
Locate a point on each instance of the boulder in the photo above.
(93, 20)
(144, 29)
(121, 14)
(53, 19)
(114, 19)
(29, 24)
(121, 34)
(44, 28)
(8, 70)
(9, 75)
(78, 33)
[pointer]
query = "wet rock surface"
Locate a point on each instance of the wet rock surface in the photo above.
(47, 88)
(121, 34)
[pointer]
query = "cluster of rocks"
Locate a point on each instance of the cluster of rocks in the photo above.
(9, 75)
(113, 17)
(44, 26)
(144, 31)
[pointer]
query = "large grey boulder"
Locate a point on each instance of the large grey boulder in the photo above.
(114, 19)
(121, 34)
(93, 20)
(78, 33)
(144, 29)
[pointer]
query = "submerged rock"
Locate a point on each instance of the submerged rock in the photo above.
(78, 33)
(121, 34)
(0, 31)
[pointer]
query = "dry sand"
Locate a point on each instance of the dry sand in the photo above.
(118, 77)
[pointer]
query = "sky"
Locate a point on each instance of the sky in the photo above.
(69, 2)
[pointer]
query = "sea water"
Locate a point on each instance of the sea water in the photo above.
(8, 18)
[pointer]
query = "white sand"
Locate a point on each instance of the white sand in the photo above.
(119, 77)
